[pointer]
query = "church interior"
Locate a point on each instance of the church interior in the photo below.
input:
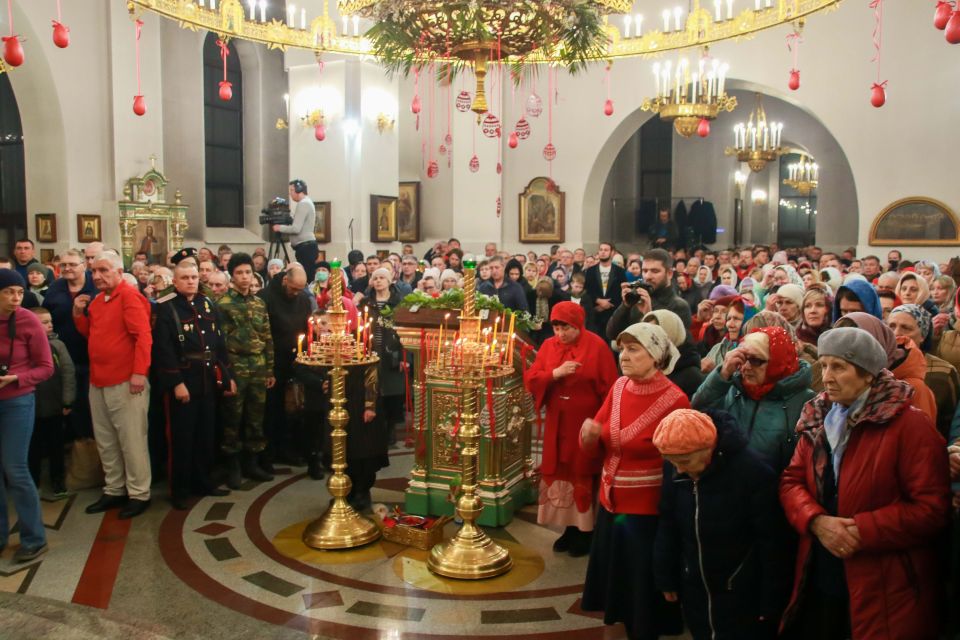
(156, 125)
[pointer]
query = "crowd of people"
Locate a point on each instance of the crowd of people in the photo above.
(753, 443)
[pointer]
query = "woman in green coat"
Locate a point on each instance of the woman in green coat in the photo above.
(764, 384)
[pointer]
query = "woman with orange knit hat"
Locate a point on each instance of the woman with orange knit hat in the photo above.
(721, 540)
(573, 371)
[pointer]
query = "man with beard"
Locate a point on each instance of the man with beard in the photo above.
(656, 293)
(603, 282)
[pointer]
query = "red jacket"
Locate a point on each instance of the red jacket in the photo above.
(894, 481)
(118, 334)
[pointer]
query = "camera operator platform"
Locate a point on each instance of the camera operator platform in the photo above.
(300, 230)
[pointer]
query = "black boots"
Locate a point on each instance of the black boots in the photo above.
(250, 469)
(563, 542)
(234, 479)
(574, 541)
(314, 468)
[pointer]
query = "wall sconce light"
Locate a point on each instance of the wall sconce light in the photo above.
(284, 122)
(315, 119)
(759, 196)
(385, 122)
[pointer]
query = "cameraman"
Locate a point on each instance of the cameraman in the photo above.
(302, 240)
(653, 293)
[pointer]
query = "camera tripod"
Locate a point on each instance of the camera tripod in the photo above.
(276, 246)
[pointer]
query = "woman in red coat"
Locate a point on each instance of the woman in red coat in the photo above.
(573, 371)
(868, 492)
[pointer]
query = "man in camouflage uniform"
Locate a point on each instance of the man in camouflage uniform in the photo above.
(246, 326)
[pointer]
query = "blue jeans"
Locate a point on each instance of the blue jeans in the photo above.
(16, 427)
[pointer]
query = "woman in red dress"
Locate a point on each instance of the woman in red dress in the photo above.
(620, 574)
(573, 371)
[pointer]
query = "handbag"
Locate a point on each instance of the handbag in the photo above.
(83, 467)
(293, 397)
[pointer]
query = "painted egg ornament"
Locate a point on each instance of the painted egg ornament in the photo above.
(794, 82)
(61, 35)
(12, 51)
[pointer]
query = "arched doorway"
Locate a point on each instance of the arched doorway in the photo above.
(13, 189)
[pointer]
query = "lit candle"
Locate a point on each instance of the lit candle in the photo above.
(638, 25)
(303, 18)
(201, 3)
(717, 5)
(291, 11)
(627, 19)
(666, 20)
(300, 345)
(816, 171)
(513, 318)
(677, 13)
(253, 9)
(359, 340)
(213, 5)
(779, 133)
(263, 10)
(356, 26)
(729, 9)
(723, 78)
(756, 5)
(656, 76)
(769, 3)
(343, 30)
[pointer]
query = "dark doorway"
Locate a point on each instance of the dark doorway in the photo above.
(223, 132)
(13, 188)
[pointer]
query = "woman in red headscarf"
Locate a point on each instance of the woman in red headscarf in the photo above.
(571, 376)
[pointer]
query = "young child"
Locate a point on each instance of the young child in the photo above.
(55, 398)
(578, 295)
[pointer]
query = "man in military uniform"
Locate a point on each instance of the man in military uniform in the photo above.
(191, 366)
(246, 327)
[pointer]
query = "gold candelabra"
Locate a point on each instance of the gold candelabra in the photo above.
(474, 356)
(340, 526)
(804, 176)
(690, 98)
(757, 142)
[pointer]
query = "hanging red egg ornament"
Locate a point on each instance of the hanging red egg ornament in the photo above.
(474, 164)
(448, 140)
(226, 90)
(549, 152)
(499, 168)
(433, 169)
(608, 107)
(12, 51)
(952, 30)
(703, 129)
(320, 132)
(463, 102)
(513, 140)
(415, 105)
(794, 82)
(522, 129)
(534, 105)
(139, 105)
(61, 35)
(491, 126)
(942, 14)
(878, 95)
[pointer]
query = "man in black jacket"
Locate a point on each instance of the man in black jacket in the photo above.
(288, 306)
(510, 293)
(604, 281)
(657, 294)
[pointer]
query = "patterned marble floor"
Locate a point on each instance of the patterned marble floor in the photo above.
(235, 567)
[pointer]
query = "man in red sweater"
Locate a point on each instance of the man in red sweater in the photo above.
(116, 324)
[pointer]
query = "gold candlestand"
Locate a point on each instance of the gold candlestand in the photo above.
(340, 526)
(472, 359)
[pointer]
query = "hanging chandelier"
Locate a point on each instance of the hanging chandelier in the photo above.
(804, 176)
(757, 142)
(690, 98)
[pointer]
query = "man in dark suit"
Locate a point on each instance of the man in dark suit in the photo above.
(603, 285)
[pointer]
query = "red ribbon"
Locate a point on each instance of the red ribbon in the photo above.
(139, 27)
(491, 411)
(224, 52)
(793, 46)
(877, 6)
(421, 443)
(10, 16)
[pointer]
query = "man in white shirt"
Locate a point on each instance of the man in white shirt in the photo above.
(302, 239)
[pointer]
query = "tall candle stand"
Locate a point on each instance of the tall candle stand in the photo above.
(475, 356)
(340, 526)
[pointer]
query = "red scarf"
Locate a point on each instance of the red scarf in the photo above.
(783, 362)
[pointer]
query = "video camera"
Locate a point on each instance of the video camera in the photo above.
(277, 212)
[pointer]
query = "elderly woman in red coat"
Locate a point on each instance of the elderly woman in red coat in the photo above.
(868, 492)
(573, 371)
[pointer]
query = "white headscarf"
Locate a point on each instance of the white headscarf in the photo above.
(655, 340)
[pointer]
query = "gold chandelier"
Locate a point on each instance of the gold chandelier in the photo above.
(730, 20)
(804, 176)
(690, 98)
(757, 142)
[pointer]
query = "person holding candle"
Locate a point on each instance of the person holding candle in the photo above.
(571, 375)
(620, 578)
